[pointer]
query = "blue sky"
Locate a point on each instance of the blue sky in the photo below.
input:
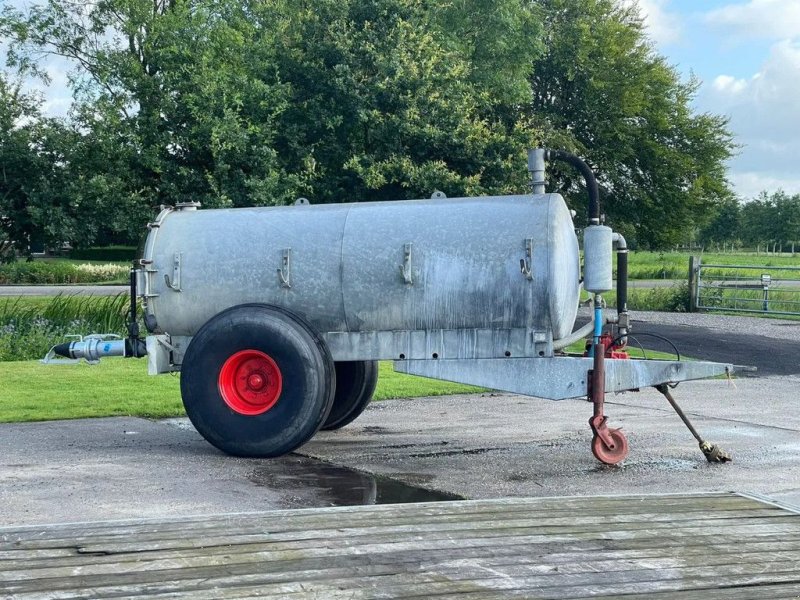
(746, 54)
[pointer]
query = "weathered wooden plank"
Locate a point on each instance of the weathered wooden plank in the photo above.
(759, 592)
(547, 551)
(787, 525)
(410, 559)
(602, 505)
(545, 548)
(766, 591)
(337, 524)
(214, 569)
(455, 539)
(43, 536)
(465, 576)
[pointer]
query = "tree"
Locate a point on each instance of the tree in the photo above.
(338, 100)
(604, 93)
(33, 206)
(724, 226)
(257, 102)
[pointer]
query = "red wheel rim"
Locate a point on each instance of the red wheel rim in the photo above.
(611, 456)
(250, 382)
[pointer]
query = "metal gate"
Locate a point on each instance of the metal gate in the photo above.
(749, 289)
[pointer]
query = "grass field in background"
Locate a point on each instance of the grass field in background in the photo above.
(675, 265)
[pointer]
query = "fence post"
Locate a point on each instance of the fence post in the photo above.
(694, 269)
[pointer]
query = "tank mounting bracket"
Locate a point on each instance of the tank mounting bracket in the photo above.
(525, 263)
(285, 270)
(174, 283)
(405, 268)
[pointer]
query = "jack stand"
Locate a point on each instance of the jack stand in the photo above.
(609, 446)
(712, 452)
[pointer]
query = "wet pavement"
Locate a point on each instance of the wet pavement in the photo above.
(480, 446)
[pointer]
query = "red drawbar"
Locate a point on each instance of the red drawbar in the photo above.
(250, 382)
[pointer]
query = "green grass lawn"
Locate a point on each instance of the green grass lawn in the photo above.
(32, 391)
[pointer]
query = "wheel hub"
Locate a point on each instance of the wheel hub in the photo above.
(250, 382)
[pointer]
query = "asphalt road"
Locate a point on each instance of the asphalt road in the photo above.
(67, 290)
(770, 345)
(764, 353)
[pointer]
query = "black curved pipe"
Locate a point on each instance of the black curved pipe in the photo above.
(588, 175)
(622, 281)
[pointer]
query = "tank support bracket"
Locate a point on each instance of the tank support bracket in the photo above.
(175, 282)
(285, 270)
(525, 263)
(405, 268)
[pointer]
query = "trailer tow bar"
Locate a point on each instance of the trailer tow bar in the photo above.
(712, 452)
(609, 446)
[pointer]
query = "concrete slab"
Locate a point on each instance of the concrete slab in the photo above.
(484, 446)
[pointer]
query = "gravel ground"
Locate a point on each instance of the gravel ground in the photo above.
(777, 329)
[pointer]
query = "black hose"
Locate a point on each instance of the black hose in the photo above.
(588, 175)
(622, 282)
(134, 345)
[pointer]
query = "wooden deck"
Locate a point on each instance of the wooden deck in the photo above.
(677, 546)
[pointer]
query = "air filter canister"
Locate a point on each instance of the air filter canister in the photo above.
(597, 251)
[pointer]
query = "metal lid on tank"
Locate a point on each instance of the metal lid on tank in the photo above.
(187, 206)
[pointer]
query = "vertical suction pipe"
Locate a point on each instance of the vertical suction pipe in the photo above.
(623, 321)
(536, 158)
(597, 245)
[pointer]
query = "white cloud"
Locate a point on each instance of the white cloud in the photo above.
(776, 19)
(749, 184)
(765, 118)
(663, 26)
(729, 85)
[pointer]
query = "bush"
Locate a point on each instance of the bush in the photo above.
(42, 272)
(665, 299)
(109, 253)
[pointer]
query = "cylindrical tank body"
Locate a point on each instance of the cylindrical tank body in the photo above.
(441, 264)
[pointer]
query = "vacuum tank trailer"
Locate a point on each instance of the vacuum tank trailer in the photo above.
(276, 317)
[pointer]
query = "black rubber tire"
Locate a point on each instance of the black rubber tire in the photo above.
(355, 384)
(306, 367)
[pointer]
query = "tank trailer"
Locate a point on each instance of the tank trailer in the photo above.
(276, 317)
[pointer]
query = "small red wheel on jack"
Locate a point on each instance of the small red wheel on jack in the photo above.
(614, 453)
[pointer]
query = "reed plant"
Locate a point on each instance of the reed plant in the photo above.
(29, 329)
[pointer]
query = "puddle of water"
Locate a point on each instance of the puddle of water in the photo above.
(324, 484)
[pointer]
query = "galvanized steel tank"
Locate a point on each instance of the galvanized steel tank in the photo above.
(486, 264)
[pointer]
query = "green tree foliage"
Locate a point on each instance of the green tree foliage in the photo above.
(771, 219)
(603, 92)
(257, 102)
(33, 173)
(725, 223)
